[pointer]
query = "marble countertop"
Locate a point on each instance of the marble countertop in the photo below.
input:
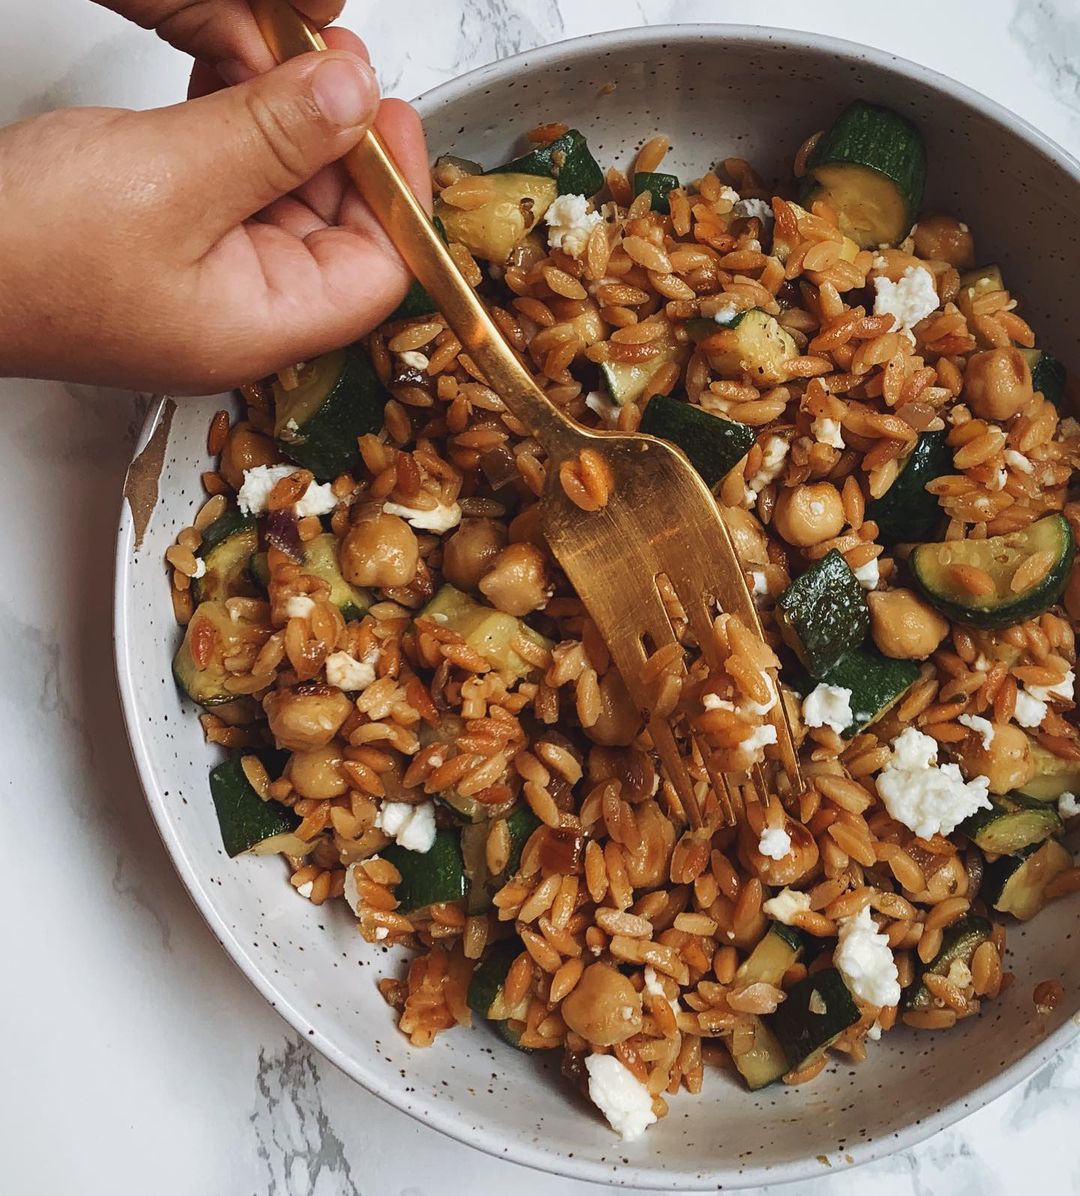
(136, 1057)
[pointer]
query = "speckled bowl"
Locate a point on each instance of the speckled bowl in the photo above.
(716, 91)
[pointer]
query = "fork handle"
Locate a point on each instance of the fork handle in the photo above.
(377, 177)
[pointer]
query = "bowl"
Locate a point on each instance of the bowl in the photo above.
(716, 91)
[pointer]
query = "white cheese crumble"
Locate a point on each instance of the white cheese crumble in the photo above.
(653, 985)
(299, 606)
(758, 739)
(982, 727)
(317, 499)
(773, 455)
(730, 194)
(381, 932)
(352, 887)
(874, 1033)
(827, 431)
(959, 974)
(864, 960)
(620, 1096)
(725, 314)
(828, 706)
(786, 904)
(775, 843)
(200, 568)
(868, 575)
(569, 224)
(441, 518)
(1018, 461)
(1068, 806)
(305, 889)
(760, 583)
(959, 414)
(997, 482)
(1060, 689)
(603, 406)
(348, 674)
(759, 208)
(414, 358)
(1030, 710)
(908, 301)
(412, 826)
(927, 799)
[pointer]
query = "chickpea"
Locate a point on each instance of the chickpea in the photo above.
(525, 527)
(470, 551)
(378, 551)
(517, 581)
(997, 383)
(245, 449)
(1007, 763)
(647, 864)
(316, 774)
(751, 541)
(807, 515)
(945, 239)
(620, 719)
(307, 717)
(903, 626)
(604, 1007)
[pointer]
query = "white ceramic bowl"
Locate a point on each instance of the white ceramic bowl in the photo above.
(716, 91)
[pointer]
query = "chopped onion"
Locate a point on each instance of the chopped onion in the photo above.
(282, 533)
(500, 467)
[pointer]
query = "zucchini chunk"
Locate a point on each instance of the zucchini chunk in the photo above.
(244, 819)
(765, 1062)
(492, 230)
(876, 684)
(771, 958)
(226, 550)
(317, 423)
(753, 343)
(658, 186)
(1048, 376)
(417, 301)
(823, 614)
(871, 167)
(486, 630)
(521, 823)
(567, 160)
(974, 284)
(714, 445)
(430, 877)
(1011, 824)
(469, 809)
(1015, 884)
(814, 1014)
(907, 511)
(957, 943)
(321, 560)
(259, 571)
(999, 557)
(485, 995)
(210, 636)
(628, 381)
(1053, 775)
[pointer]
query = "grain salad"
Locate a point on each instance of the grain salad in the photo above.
(422, 721)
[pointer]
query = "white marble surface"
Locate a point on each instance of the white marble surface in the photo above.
(136, 1058)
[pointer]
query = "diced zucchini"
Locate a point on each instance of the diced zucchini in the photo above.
(782, 248)
(417, 301)
(486, 987)
(765, 1062)
(871, 167)
(628, 381)
(1015, 884)
(876, 684)
(1047, 376)
(823, 614)
(999, 557)
(815, 1012)
(321, 560)
(974, 284)
(658, 186)
(259, 571)
(1053, 775)
(339, 399)
(472, 810)
(244, 819)
(486, 630)
(714, 445)
(226, 550)
(753, 343)
(492, 230)
(463, 165)
(520, 822)
(957, 943)
(430, 877)
(771, 958)
(211, 635)
(907, 511)
(1011, 824)
(567, 160)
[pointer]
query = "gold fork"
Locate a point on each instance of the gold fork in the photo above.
(660, 518)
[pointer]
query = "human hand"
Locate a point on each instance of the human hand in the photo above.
(195, 247)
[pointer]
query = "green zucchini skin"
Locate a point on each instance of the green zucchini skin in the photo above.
(1012, 823)
(520, 822)
(1015, 884)
(1048, 376)
(1053, 775)
(780, 948)
(823, 614)
(321, 560)
(244, 819)
(430, 877)
(876, 684)
(907, 511)
(713, 444)
(567, 160)
(998, 556)
(417, 301)
(958, 942)
(658, 186)
(765, 1062)
(490, 975)
(800, 1031)
(228, 545)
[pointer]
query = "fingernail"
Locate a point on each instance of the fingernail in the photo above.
(344, 91)
(233, 71)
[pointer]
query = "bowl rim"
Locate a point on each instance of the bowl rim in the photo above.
(652, 1171)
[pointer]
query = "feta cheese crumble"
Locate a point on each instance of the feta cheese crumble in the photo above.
(773, 455)
(724, 315)
(306, 888)
(317, 499)
(200, 568)
(908, 301)
(786, 904)
(1030, 710)
(868, 575)
(441, 518)
(827, 431)
(775, 843)
(926, 798)
(1060, 689)
(569, 224)
(760, 583)
(348, 674)
(759, 208)
(653, 986)
(758, 739)
(864, 960)
(982, 727)
(299, 606)
(1018, 461)
(412, 826)
(828, 706)
(1068, 806)
(381, 932)
(620, 1096)
(415, 359)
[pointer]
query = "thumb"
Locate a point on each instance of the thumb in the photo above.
(236, 151)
